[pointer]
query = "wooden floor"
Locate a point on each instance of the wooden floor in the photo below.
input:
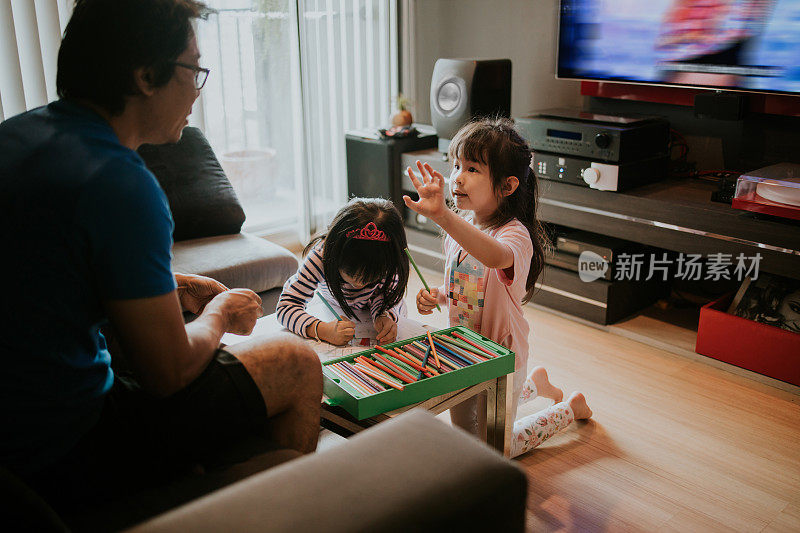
(674, 444)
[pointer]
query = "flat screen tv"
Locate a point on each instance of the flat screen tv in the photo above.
(746, 45)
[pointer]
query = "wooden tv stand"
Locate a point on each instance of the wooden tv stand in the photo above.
(677, 215)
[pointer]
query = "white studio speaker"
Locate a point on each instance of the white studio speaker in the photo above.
(463, 89)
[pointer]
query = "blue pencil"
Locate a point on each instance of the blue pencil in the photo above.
(459, 358)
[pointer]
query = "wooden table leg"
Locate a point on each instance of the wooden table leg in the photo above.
(498, 435)
(505, 424)
(491, 415)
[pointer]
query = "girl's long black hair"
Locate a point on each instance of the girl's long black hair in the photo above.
(370, 261)
(496, 143)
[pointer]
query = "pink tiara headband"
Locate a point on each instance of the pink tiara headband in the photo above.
(370, 232)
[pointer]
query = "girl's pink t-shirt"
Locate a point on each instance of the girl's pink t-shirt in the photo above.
(489, 300)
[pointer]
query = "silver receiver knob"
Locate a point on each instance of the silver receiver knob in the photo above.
(590, 175)
(602, 140)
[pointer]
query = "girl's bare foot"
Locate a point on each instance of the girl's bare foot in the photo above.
(543, 385)
(577, 402)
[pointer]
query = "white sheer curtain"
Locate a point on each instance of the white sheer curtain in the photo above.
(348, 51)
(289, 77)
(30, 34)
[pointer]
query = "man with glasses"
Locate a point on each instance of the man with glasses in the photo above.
(89, 234)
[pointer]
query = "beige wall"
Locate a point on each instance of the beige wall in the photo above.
(521, 30)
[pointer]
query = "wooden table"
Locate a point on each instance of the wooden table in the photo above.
(498, 427)
(498, 432)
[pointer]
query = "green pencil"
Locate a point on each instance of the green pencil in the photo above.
(329, 306)
(424, 283)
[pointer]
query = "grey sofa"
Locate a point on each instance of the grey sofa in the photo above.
(208, 220)
(413, 473)
(238, 260)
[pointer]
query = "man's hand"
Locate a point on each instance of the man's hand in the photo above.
(194, 291)
(239, 309)
(386, 328)
(338, 332)
(426, 301)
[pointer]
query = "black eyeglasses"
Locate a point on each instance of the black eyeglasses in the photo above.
(200, 73)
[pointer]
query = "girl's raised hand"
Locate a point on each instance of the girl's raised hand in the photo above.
(431, 189)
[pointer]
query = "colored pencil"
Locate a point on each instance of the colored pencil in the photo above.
(428, 367)
(415, 366)
(349, 380)
(407, 353)
(408, 369)
(387, 352)
(419, 355)
(451, 361)
(425, 361)
(442, 348)
(424, 283)
(329, 306)
(493, 354)
(366, 379)
(420, 346)
(391, 365)
(460, 351)
(424, 347)
(463, 345)
(435, 355)
(356, 379)
(363, 360)
(377, 376)
(391, 372)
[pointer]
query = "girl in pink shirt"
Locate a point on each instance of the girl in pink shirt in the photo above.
(494, 253)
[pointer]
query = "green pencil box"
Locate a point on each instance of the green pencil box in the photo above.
(342, 394)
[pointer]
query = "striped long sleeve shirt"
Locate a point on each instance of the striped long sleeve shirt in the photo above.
(299, 290)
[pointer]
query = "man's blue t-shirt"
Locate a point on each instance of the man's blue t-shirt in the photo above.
(82, 221)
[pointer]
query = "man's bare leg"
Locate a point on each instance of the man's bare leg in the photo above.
(289, 375)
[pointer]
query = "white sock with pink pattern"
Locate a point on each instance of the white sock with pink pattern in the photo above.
(529, 391)
(532, 430)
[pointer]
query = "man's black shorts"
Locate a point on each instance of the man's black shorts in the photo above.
(141, 441)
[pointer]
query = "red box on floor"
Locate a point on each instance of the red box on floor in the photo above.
(768, 350)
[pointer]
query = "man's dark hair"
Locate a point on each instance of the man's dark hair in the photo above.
(106, 40)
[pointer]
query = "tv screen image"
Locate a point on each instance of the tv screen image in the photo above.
(751, 45)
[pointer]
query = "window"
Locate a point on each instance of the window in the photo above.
(288, 78)
(30, 34)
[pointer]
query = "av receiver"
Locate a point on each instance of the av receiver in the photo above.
(606, 138)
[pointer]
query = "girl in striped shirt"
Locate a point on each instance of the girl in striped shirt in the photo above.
(358, 264)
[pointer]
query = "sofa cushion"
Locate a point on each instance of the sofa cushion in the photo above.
(202, 200)
(240, 260)
(412, 473)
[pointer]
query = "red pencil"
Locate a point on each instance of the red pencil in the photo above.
(382, 368)
(388, 362)
(403, 356)
(475, 345)
(398, 373)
